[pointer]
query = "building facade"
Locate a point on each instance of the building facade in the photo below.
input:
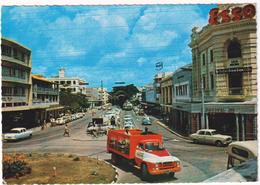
(16, 76)
(224, 68)
(166, 96)
(182, 100)
(72, 84)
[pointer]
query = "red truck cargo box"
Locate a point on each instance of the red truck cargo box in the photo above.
(124, 144)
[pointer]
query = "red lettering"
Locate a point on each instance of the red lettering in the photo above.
(213, 16)
(249, 11)
(225, 16)
(237, 14)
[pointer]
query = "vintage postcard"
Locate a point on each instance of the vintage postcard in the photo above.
(129, 93)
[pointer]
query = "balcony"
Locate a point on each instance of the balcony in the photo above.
(16, 61)
(236, 91)
(14, 99)
(15, 79)
(46, 91)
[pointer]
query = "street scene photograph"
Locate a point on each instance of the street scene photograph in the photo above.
(143, 93)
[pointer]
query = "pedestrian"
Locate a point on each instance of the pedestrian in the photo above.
(66, 131)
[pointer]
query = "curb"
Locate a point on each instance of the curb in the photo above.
(170, 130)
(116, 176)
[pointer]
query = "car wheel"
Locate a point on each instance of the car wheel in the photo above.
(219, 143)
(145, 173)
(195, 141)
(30, 136)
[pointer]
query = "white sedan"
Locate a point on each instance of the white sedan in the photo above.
(210, 136)
(17, 133)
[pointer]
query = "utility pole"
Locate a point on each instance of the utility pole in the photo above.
(203, 106)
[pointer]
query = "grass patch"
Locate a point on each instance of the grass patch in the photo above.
(68, 171)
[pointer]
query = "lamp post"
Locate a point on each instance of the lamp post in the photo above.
(203, 106)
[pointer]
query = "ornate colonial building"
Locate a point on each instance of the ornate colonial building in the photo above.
(224, 68)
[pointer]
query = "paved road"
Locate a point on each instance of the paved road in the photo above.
(199, 161)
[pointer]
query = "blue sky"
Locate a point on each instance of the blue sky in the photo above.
(109, 43)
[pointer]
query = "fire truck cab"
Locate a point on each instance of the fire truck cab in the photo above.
(144, 150)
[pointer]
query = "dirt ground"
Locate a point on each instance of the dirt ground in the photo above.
(70, 169)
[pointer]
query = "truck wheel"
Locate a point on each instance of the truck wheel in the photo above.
(114, 159)
(145, 173)
(219, 143)
(172, 174)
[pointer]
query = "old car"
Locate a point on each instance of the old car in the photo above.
(17, 133)
(146, 121)
(210, 136)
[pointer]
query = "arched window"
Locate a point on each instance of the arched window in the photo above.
(234, 50)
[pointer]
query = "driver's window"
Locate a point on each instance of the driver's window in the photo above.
(208, 133)
(201, 133)
(141, 146)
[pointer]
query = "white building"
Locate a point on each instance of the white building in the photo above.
(73, 84)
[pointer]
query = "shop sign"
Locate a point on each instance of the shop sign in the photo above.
(234, 70)
(233, 14)
(220, 110)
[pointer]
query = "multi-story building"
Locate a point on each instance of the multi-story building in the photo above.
(94, 96)
(16, 76)
(166, 94)
(73, 84)
(224, 68)
(45, 102)
(182, 100)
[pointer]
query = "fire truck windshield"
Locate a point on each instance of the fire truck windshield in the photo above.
(154, 146)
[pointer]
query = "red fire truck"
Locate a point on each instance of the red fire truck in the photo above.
(144, 150)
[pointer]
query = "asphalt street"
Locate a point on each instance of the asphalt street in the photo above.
(199, 162)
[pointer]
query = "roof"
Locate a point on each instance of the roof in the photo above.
(19, 128)
(250, 145)
(207, 130)
(16, 43)
(41, 78)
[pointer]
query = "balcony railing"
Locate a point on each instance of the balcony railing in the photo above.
(15, 79)
(40, 90)
(14, 99)
(15, 60)
(236, 91)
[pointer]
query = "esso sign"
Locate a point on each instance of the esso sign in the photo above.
(235, 14)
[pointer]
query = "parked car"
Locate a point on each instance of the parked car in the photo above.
(60, 121)
(17, 133)
(210, 136)
(146, 121)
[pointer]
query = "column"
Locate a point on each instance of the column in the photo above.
(207, 121)
(198, 121)
(243, 127)
(237, 127)
(255, 127)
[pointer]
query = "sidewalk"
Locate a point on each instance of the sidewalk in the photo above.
(157, 121)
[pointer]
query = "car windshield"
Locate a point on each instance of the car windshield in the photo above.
(14, 131)
(154, 146)
(214, 132)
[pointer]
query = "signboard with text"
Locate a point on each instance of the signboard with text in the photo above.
(231, 14)
(234, 70)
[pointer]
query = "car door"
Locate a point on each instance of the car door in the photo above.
(19, 134)
(208, 137)
(200, 136)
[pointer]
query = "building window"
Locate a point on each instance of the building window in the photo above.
(62, 82)
(6, 91)
(204, 81)
(235, 83)
(203, 59)
(74, 82)
(15, 53)
(234, 50)
(6, 50)
(211, 55)
(68, 82)
(211, 81)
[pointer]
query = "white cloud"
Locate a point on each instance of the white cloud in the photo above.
(141, 61)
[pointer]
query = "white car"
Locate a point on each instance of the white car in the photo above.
(60, 121)
(17, 133)
(210, 136)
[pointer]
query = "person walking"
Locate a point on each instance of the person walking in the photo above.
(66, 131)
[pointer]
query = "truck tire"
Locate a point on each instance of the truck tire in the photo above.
(144, 171)
(172, 174)
(114, 158)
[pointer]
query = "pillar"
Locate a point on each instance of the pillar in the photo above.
(237, 127)
(207, 121)
(255, 127)
(243, 127)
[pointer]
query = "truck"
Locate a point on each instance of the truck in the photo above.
(143, 150)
